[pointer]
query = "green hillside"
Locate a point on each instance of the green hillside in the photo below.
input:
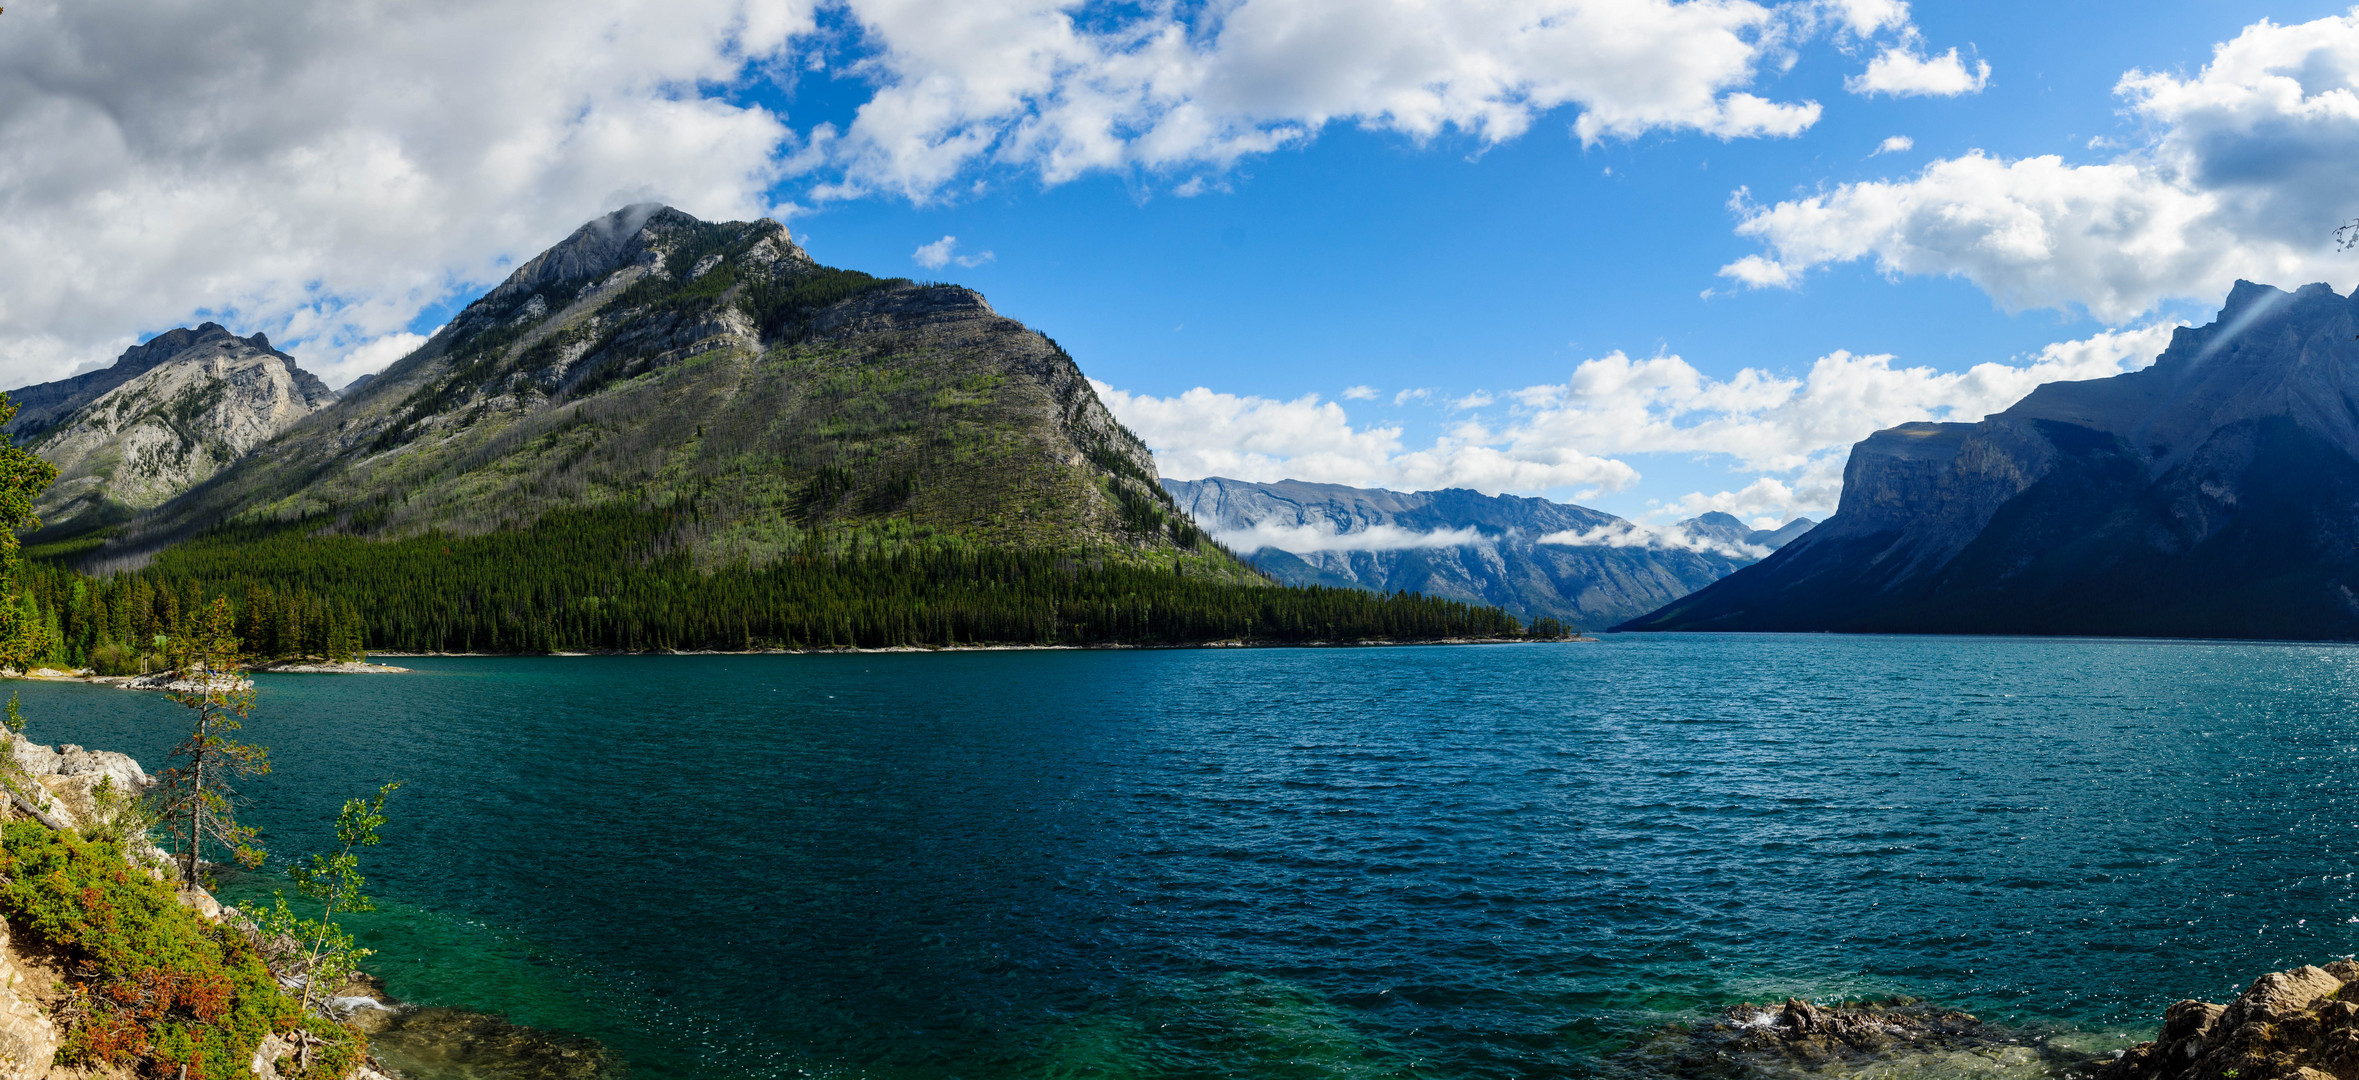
(671, 434)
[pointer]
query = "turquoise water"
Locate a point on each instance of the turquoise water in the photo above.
(1434, 862)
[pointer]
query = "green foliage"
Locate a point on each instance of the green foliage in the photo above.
(324, 954)
(608, 578)
(195, 800)
(153, 988)
(114, 815)
(23, 476)
(1548, 627)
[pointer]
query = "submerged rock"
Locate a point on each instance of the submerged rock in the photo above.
(435, 1043)
(2289, 1025)
(1895, 1037)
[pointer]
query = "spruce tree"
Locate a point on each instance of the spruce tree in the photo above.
(196, 801)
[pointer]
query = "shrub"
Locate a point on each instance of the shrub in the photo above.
(153, 987)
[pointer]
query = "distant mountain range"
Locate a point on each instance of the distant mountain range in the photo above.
(166, 416)
(1532, 557)
(2215, 493)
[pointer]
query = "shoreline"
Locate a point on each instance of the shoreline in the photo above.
(1112, 647)
(155, 681)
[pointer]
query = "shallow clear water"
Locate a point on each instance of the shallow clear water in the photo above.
(1439, 862)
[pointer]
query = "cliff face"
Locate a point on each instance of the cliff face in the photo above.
(2215, 493)
(1531, 557)
(652, 358)
(167, 416)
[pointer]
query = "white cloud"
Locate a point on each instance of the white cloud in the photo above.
(325, 172)
(2246, 174)
(1769, 501)
(1568, 435)
(1322, 536)
(1026, 82)
(1359, 393)
(364, 358)
(1201, 433)
(1864, 17)
(1475, 400)
(1630, 534)
(1407, 396)
(1900, 72)
(1895, 144)
(944, 252)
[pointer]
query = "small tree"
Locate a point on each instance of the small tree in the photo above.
(325, 953)
(196, 801)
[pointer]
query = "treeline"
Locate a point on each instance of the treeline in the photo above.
(606, 578)
(124, 624)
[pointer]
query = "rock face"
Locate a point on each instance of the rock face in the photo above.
(1531, 557)
(2215, 493)
(652, 358)
(2289, 1025)
(167, 416)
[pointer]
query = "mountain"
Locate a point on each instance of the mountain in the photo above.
(1532, 557)
(168, 415)
(2215, 494)
(652, 359)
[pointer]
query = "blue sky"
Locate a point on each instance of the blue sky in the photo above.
(1480, 261)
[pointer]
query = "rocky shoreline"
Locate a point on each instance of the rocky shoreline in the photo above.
(855, 650)
(1892, 1037)
(2301, 1024)
(170, 682)
(408, 1042)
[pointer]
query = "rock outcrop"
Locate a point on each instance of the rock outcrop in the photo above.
(1532, 557)
(2214, 494)
(1889, 1038)
(167, 416)
(2289, 1025)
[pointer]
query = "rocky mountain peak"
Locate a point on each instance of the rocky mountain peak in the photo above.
(2211, 493)
(168, 414)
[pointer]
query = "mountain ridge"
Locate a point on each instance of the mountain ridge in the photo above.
(168, 415)
(1533, 557)
(2209, 494)
(652, 357)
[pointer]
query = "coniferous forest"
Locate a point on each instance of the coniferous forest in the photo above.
(603, 579)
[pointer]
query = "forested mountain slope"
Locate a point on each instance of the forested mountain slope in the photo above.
(166, 416)
(665, 433)
(652, 359)
(2214, 494)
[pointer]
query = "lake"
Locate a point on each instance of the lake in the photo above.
(1495, 861)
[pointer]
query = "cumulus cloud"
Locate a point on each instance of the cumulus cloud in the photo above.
(1028, 82)
(944, 252)
(1900, 72)
(1202, 433)
(1895, 144)
(1791, 432)
(2246, 174)
(325, 171)
(367, 357)
(1322, 536)
(1359, 393)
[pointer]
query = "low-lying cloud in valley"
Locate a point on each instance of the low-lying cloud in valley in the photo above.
(1322, 536)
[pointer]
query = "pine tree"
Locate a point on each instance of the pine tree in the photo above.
(196, 801)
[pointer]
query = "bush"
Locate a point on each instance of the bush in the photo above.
(153, 986)
(113, 659)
